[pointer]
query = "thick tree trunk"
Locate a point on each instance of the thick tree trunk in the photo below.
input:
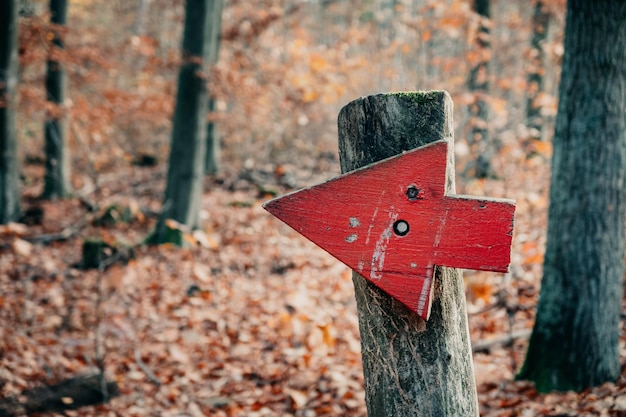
(478, 84)
(536, 70)
(187, 155)
(57, 178)
(9, 171)
(574, 343)
(412, 367)
(212, 160)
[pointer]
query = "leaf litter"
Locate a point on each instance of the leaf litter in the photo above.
(257, 322)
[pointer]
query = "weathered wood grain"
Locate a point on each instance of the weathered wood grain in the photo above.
(412, 367)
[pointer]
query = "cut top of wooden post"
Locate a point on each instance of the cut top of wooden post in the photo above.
(392, 222)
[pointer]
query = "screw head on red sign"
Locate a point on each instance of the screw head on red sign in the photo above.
(392, 222)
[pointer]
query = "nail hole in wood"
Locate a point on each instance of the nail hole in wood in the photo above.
(401, 227)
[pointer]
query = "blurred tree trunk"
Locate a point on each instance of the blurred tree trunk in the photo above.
(57, 177)
(9, 171)
(536, 70)
(140, 20)
(412, 368)
(183, 193)
(26, 8)
(212, 160)
(478, 84)
(575, 340)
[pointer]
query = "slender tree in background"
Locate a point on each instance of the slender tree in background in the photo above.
(478, 84)
(536, 70)
(140, 21)
(57, 178)
(212, 160)
(183, 193)
(574, 344)
(9, 172)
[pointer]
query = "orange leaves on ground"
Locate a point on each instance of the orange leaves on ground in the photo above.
(426, 36)
(453, 22)
(144, 45)
(120, 277)
(480, 290)
(252, 320)
(532, 253)
(328, 335)
(13, 229)
(476, 56)
(317, 62)
(541, 147)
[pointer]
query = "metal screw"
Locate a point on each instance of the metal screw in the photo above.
(414, 193)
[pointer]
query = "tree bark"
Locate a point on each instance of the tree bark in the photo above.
(26, 8)
(536, 70)
(9, 170)
(574, 344)
(212, 160)
(57, 177)
(140, 20)
(411, 367)
(183, 193)
(478, 84)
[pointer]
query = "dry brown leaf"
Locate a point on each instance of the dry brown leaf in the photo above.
(178, 354)
(22, 247)
(202, 272)
(13, 229)
(328, 332)
(299, 398)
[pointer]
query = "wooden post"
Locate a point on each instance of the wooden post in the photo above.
(412, 367)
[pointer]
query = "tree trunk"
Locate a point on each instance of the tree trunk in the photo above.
(212, 160)
(57, 177)
(185, 175)
(140, 20)
(411, 367)
(9, 171)
(478, 84)
(26, 8)
(574, 344)
(536, 71)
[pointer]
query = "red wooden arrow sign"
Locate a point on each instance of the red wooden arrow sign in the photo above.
(392, 222)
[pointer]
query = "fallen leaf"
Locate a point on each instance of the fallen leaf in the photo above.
(13, 229)
(298, 398)
(620, 403)
(178, 354)
(202, 272)
(22, 247)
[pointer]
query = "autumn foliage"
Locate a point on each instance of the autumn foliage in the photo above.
(250, 319)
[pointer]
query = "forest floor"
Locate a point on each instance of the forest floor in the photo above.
(250, 319)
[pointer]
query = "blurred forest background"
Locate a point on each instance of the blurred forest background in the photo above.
(249, 319)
